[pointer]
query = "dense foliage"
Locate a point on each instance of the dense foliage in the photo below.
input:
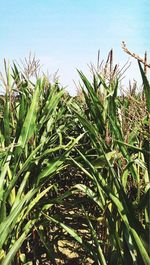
(74, 172)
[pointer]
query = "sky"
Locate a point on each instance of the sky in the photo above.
(67, 34)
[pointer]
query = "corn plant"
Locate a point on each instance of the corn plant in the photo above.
(118, 168)
(32, 150)
(44, 134)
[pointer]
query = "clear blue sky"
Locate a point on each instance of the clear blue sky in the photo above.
(67, 34)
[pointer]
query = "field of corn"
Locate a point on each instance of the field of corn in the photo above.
(74, 171)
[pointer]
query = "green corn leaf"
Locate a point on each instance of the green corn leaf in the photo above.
(146, 87)
(56, 163)
(6, 120)
(69, 230)
(10, 221)
(29, 125)
(141, 248)
(12, 252)
(100, 259)
(92, 195)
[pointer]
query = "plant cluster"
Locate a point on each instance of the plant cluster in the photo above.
(74, 172)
